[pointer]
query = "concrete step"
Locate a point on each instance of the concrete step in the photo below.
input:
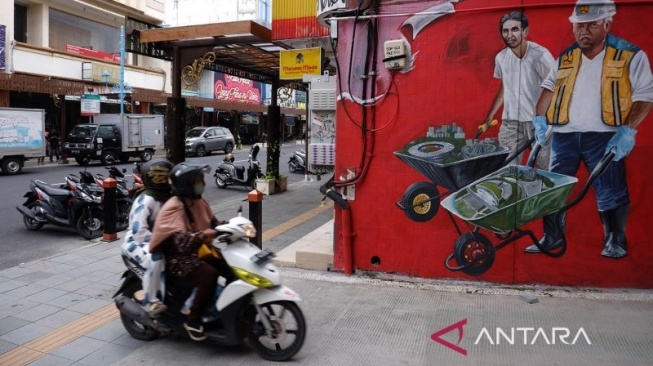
(313, 251)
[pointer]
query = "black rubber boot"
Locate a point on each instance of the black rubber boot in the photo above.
(553, 234)
(614, 225)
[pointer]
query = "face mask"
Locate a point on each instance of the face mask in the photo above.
(198, 189)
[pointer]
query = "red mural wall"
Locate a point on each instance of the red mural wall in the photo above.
(451, 81)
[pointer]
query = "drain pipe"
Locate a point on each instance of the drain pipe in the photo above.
(328, 190)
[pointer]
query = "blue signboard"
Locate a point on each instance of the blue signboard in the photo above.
(3, 37)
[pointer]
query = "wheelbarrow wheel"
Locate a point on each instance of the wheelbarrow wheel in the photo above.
(421, 201)
(474, 253)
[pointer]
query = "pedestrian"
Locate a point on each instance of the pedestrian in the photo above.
(521, 67)
(603, 88)
(186, 222)
(54, 144)
(147, 204)
(41, 159)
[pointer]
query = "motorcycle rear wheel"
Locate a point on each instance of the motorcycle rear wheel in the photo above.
(33, 224)
(220, 182)
(288, 335)
(134, 328)
(90, 224)
(122, 213)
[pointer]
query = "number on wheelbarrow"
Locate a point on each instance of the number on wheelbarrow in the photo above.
(474, 253)
(421, 201)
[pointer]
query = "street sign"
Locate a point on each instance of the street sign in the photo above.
(90, 104)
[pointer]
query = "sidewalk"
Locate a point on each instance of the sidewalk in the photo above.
(59, 311)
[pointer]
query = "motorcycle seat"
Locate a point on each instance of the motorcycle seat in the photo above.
(52, 191)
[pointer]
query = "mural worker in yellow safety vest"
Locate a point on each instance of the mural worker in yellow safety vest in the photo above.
(594, 100)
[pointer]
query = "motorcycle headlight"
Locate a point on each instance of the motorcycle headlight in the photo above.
(251, 278)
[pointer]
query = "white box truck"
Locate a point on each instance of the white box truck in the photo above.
(110, 138)
(21, 137)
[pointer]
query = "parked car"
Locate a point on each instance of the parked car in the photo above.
(203, 140)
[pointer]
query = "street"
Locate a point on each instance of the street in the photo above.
(20, 245)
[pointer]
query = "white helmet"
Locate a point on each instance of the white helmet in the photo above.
(592, 10)
(236, 229)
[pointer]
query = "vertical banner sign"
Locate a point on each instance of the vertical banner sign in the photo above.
(3, 37)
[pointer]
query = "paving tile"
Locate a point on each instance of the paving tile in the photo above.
(24, 291)
(89, 305)
(34, 276)
(9, 285)
(10, 323)
(60, 318)
(108, 332)
(98, 275)
(16, 306)
(54, 280)
(107, 355)
(37, 312)
(68, 300)
(129, 341)
(78, 349)
(46, 295)
(51, 267)
(25, 334)
(97, 290)
(6, 346)
(14, 272)
(74, 284)
(49, 360)
(66, 258)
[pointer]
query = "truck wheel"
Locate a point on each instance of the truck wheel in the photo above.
(146, 156)
(200, 151)
(12, 166)
(229, 147)
(80, 160)
(124, 158)
(108, 157)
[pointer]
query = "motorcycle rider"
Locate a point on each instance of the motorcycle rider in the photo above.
(146, 206)
(185, 222)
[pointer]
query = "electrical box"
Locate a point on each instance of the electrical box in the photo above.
(394, 55)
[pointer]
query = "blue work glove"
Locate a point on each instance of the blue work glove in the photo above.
(539, 122)
(623, 141)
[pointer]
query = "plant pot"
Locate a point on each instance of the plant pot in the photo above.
(271, 186)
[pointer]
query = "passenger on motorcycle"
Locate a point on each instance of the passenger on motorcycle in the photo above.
(146, 206)
(185, 222)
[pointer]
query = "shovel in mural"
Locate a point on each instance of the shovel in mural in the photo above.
(505, 200)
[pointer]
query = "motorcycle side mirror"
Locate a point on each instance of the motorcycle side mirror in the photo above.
(255, 150)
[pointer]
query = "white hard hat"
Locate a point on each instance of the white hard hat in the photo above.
(592, 10)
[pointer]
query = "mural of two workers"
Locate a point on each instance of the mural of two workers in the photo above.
(499, 120)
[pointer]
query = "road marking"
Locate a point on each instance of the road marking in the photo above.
(43, 345)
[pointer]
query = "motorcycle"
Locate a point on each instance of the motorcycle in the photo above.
(73, 205)
(253, 303)
(227, 174)
(124, 195)
(297, 162)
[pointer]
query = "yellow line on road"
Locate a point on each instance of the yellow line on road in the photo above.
(41, 346)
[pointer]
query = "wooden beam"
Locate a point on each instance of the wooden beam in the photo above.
(206, 30)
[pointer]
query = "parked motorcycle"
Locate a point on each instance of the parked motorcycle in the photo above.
(124, 195)
(253, 303)
(75, 206)
(227, 174)
(297, 162)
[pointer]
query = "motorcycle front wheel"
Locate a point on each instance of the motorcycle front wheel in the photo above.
(122, 215)
(288, 331)
(38, 211)
(134, 328)
(90, 224)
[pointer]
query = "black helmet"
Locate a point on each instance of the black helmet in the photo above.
(155, 174)
(181, 176)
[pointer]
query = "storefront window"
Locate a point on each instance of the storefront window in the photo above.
(69, 29)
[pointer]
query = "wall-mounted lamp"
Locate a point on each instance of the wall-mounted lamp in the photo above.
(105, 76)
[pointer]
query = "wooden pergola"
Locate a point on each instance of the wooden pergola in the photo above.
(240, 48)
